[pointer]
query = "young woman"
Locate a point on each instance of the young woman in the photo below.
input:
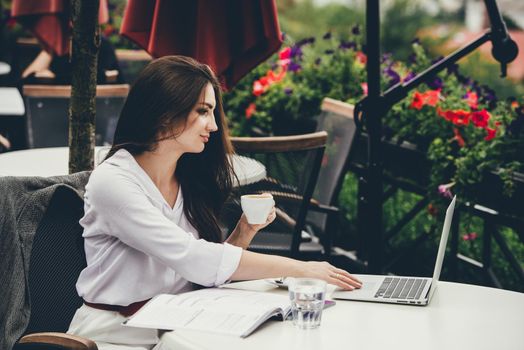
(151, 208)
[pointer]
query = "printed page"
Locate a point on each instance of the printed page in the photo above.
(234, 312)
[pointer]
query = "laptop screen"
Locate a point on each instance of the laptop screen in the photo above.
(442, 245)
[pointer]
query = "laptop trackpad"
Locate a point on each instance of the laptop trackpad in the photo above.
(368, 289)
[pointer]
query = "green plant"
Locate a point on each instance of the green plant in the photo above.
(464, 129)
(284, 94)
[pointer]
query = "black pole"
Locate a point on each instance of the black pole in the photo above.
(371, 198)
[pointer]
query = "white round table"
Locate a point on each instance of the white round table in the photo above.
(11, 102)
(54, 161)
(460, 316)
(5, 68)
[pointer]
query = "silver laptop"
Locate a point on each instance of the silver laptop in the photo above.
(399, 289)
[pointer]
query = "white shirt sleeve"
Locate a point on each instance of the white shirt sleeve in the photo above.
(123, 210)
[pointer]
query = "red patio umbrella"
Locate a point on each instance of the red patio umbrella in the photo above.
(49, 20)
(232, 36)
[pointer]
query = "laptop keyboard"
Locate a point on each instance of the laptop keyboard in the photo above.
(401, 288)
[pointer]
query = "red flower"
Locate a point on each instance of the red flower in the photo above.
(457, 117)
(431, 97)
(258, 88)
(252, 108)
(460, 117)
(361, 57)
(491, 134)
(418, 101)
(458, 137)
(273, 78)
(480, 118)
(285, 53)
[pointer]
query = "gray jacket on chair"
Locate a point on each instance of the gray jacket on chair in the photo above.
(23, 202)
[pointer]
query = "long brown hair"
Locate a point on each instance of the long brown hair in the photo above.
(162, 97)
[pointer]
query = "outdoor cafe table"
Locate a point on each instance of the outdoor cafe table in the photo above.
(460, 316)
(54, 161)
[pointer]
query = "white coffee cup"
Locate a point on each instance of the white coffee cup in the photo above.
(257, 207)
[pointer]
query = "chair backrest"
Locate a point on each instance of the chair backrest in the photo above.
(132, 62)
(292, 166)
(47, 108)
(337, 119)
(57, 258)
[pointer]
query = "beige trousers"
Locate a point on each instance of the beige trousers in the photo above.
(106, 330)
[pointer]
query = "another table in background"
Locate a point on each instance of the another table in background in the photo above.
(12, 113)
(54, 161)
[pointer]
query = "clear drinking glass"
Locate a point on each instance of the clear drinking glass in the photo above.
(307, 301)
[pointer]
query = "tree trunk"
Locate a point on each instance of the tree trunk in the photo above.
(82, 110)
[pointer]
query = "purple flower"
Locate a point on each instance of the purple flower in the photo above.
(347, 45)
(386, 58)
(288, 91)
(327, 36)
(409, 76)
(394, 77)
(436, 83)
(355, 30)
(294, 67)
(296, 52)
(305, 41)
(318, 61)
(329, 52)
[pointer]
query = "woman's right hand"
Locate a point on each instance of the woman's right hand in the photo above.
(331, 274)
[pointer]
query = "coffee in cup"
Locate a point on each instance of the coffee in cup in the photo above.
(257, 207)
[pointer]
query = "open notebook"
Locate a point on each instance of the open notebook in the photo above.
(218, 310)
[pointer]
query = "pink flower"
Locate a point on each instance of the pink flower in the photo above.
(364, 87)
(472, 99)
(444, 191)
(470, 236)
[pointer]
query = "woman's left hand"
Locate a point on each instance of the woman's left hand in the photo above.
(244, 232)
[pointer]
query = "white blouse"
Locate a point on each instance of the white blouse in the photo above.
(136, 245)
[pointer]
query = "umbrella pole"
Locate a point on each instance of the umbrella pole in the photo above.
(370, 184)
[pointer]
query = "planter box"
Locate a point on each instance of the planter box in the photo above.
(408, 167)
(489, 193)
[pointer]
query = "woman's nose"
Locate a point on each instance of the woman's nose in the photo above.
(212, 125)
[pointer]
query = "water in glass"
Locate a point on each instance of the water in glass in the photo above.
(307, 300)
